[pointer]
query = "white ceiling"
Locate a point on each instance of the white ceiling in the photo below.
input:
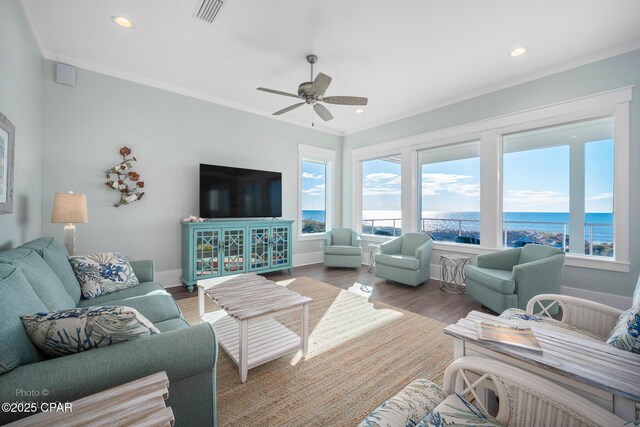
(407, 56)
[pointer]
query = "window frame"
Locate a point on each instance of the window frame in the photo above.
(615, 103)
(358, 171)
(419, 185)
(328, 158)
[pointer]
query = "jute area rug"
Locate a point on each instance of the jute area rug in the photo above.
(361, 353)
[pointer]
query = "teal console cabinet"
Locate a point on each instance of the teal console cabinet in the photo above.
(222, 247)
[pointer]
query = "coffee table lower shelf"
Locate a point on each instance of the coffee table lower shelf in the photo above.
(268, 339)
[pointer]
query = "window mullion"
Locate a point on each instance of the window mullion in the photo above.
(490, 189)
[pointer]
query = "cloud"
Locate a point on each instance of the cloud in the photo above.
(381, 184)
(316, 190)
(601, 196)
(535, 201)
(309, 175)
(381, 176)
(435, 184)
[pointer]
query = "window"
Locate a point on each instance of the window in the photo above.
(558, 187)
(449, 192)
(314, 197)
(315, 201)
(381, 203)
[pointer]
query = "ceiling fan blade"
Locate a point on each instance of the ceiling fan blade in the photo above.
(345, 100)
(322, 112)
(321, 83)
(289, 108)
(278, 92)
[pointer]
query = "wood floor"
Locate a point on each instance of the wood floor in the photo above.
(426, 299)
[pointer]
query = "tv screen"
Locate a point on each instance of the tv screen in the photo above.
(227, 192)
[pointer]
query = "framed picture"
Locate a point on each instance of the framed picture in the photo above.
(7, 142)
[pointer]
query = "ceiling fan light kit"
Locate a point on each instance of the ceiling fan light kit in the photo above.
(312, 93)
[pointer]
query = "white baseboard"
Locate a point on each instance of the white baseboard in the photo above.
(618, 301)
(169, 278)
(612, 300)
(308, 258)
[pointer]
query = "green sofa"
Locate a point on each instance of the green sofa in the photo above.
(37, 277)
(405, 259)
(510, 278)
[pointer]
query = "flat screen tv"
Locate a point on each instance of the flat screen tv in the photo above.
(227, 192)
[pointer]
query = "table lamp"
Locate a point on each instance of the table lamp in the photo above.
(69, 209)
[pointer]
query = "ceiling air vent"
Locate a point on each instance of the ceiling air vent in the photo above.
(208, 10)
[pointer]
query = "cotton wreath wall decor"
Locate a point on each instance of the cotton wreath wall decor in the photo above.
(125, 180)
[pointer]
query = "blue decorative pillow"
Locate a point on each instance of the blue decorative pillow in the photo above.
(80, 329)
(102, 274)
(626, 334)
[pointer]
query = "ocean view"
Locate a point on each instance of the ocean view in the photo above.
(550, 228)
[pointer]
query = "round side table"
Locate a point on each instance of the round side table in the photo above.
(452, 278)
(373, 250)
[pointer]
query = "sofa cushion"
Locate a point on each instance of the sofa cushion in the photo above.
(17, 298)
(342, 250)
(171, 325)
(407, 407)
(43, 280)
(81, 329)
(341, 236)
(411, 242)
(103, 273)
(155, 307)
(146, 288)
(457, 411)
(56, 256)
(500, 281)
(534, 252)
(399, 261)
(626, 334)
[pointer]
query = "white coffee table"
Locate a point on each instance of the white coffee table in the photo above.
(245, 327)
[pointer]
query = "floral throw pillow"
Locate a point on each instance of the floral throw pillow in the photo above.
(626, 334)
(102, 274)
(80, 329)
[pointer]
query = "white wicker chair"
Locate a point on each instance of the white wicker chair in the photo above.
(517, 399)
(598, 319)
(524, 399)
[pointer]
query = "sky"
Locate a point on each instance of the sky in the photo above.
(313, 186)
(534, 181)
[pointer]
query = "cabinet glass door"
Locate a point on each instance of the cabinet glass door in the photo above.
(207, 252)
(233, 250)
(259, 248)
(280, 246)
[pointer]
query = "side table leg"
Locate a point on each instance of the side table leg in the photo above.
(243, 354)
(305, 329)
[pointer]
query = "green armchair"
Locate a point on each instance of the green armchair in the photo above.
(342, 248)
(405, 259)
(510, 278)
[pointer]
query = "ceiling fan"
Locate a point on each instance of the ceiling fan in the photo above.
(312, 93)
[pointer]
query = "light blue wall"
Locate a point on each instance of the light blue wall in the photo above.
(21, 102)
(612, 73)
(170, 134)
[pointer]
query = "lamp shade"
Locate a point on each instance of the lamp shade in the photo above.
(69, 209)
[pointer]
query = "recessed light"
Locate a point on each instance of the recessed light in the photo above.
(359, 110)
(519, 51)
(574, 136)
(122, 22)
